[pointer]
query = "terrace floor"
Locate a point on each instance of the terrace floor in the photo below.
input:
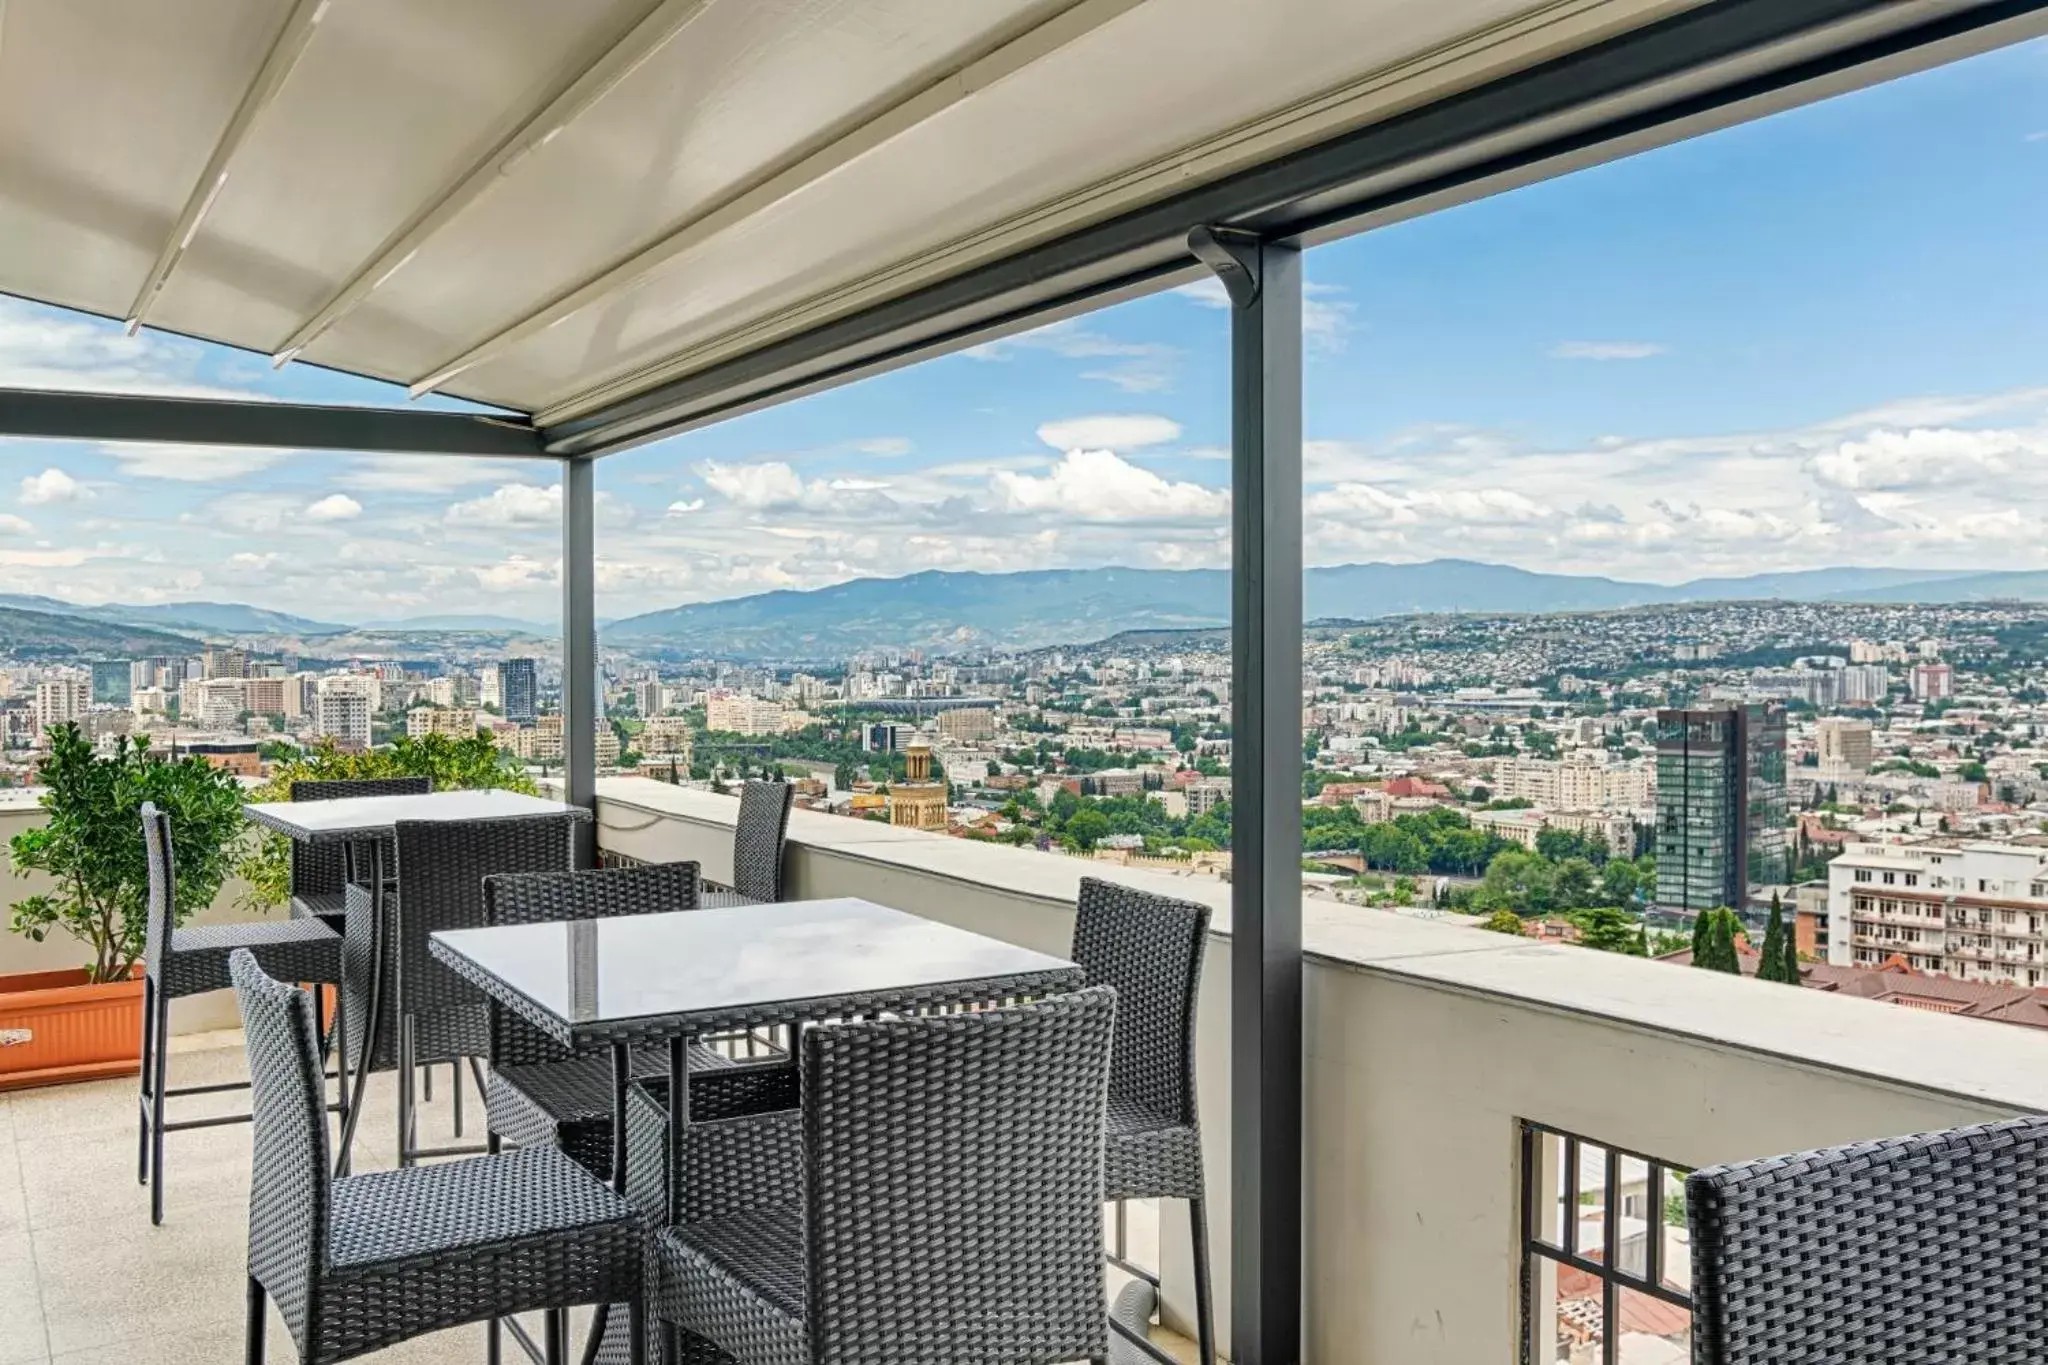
(85, 1279)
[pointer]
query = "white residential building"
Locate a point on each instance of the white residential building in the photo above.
(1968, 909)
(342, 709)
(1582, 780)
(742, 714)
(456, 722)
(213, 703)
(1844, 745)
(62, 700)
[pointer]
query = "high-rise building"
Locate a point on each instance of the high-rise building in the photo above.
(112, 682)
(342, 709)
(667, 737)
(966, 724)
(456, 722)
(61, 701)
(647, 697)
(223, 662)
(267, 696)
(1862, 684)
(213, 703)
(1720, 804)
(1933, 682)
(918, 802)
(1843, 745)
(519, 694)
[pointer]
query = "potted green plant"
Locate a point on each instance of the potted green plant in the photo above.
(86, 1022)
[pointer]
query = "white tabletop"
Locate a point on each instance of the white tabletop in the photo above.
(364, 817)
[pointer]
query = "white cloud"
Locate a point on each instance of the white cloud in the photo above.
(423, 473)
(334, 507)
(2041, 136)
(1607, 350)
(512, 504)
(886, 446)
(52, 485)
(515, 573)
(682, 509)
(1923, 455)
(11, 525)
(768, 484)
(1098, 485)
(1470, 506)
(1137, 366)
(1114, 431)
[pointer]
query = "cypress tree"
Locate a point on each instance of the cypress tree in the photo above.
(1724, 943)
(1772, 967)
(1702, 939)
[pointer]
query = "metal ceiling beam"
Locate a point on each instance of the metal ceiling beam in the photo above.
(1615, 93)
(581, 87)
(40, 414)
(290, 45)
(927, 103)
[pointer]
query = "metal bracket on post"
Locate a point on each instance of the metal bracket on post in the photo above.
(1234, 256)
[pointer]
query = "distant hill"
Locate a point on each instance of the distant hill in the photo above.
(950, 612)
(458, 621)
(221, 618)
(41, 634)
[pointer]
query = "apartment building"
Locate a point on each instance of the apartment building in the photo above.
(456, 722)
(742, 714)
(1582, 780)
(667, 737)
(1977, 911)
(1843, 745)
(62, 700)
(213, 703)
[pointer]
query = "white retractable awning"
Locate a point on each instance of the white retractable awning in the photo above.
(557, 206)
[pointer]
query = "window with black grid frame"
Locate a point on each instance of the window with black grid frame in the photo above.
(1606, 1255)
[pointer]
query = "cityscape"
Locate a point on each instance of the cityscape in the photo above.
(1867, 782)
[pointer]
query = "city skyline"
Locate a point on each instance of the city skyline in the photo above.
(1803, 342)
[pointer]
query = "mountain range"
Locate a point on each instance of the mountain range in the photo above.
(946, 612)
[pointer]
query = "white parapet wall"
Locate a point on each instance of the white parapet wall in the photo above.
(1425, 1043)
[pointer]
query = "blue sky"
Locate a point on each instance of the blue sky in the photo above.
(1817, 339)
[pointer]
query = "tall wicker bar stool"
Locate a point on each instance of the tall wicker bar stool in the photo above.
(426, 1013)
(1150, 948)
(179, 962)
(949, 1210)
(320, 872)
(363, 1262)
(758, 840)
(1800, 1260)
(540, 1091)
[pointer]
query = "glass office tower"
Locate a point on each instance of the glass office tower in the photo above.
(1720, 804)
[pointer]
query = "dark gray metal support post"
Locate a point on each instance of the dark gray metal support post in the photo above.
(581, 704)
(1264, 283)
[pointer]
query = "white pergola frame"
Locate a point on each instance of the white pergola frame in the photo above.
(1720, 63)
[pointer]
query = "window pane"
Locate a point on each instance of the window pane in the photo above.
(1564, 1314)
(1677, 1272)
(1633, 1195)
(1652, 1332)
(1546, 1155)
(1590, 1202)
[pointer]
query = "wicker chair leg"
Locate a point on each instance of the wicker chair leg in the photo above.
(455, 1083)
(405, 1099)
(494, 1342)
(253, 1328)
(159, 1079)
(557, 1352)
(1205, 1313)
(636, 1329)
(142, 1124)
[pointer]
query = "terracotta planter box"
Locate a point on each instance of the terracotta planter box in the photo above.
(55, 1028)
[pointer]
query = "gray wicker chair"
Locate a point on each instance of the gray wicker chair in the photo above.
(193, 960)
(320, 872)
(758, 839)
(364, 1262)
(1150, 948)
(539, 1091)
(949, 1210)
(427, 1013)
(1800, 1260)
